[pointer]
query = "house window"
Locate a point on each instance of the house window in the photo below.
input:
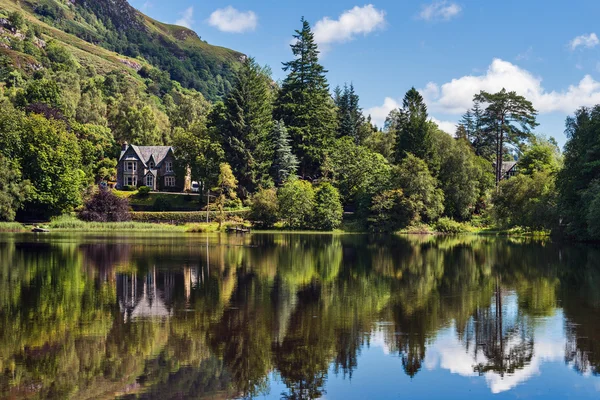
(131, 166)
(169, 181)
(131, 180)
(150, 181)
(151, 165)
(169, 166)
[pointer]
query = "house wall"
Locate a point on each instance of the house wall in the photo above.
(162, 173)
(122, 165)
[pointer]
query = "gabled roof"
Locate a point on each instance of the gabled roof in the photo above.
(507, 166)
(145, 153)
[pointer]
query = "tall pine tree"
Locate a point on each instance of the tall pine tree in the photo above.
(286, 163)
(411, 128)
(244, 125)
(349, 114)
(304, 104)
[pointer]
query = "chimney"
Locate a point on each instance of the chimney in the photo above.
(124, 146)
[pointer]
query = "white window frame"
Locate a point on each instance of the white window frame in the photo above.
(169, 166)
(132, 179)
(131, 166)
(169, 181)
(150, 181)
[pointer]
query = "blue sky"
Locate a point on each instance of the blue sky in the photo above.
(545, 50)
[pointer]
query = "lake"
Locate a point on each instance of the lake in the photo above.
(297, 316)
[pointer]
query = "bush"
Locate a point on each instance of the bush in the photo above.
(184, 217)
(328, 211)
(129, 188)
(105, 206)
(296, 203)
(233, 204)
(391, 211)
(447, 225)
(264, 208)
(162, 204)
(144, 191)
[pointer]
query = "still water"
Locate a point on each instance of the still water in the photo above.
(297, 317)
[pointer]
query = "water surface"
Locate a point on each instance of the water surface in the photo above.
(297, 317)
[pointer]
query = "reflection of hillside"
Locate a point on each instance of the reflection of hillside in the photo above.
(219, 314)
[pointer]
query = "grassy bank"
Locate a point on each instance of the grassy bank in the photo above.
(13, 227)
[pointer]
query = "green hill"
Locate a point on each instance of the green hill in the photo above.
(110, 35)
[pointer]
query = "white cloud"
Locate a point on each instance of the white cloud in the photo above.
(358, 20)
(588, 41)
(230, 20)
(447, 126)
(186, 18)
(456, 96)
(439, 10)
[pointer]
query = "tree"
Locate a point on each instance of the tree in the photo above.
(410, 127)
(105, 206)
(472, 126)
(285, 164)
(264, 208)
(13, 190)
(391, 211)
(244, 127)
(226, 190)
(328, 211)
(296, 203)
(349, 114)
(16, 20)
(508, 118)
(304, 103)
(542, 155)
(419, 186)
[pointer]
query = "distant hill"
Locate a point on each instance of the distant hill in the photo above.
(111, 34)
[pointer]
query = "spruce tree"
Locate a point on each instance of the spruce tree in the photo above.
(286, 163)
(304, 103)
(411, 128)
(244, 126)
(349, 114)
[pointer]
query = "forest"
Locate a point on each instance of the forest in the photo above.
(298, 153)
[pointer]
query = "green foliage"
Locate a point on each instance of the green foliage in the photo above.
(593, 213)
(285, 164)
(296, 203)
(161, 204)
(304, 104)
(16, 20)
(144, 191)
(410, 127)
(419, 187)
(13, 190)
(391, 211)
(541, 155)
(355, 169)
(176, 217)
(226, 190)
(244, 127)
(447, 225)
(349, 114)
(264, 208)
(328, 211)
(527, 201)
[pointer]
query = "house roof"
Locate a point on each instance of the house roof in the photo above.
(507, 166)
(145, 153)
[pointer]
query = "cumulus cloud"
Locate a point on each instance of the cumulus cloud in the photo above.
(358, 20)
(456, 96)
(230, 20)
(587, 41)
(439, 10)
(186, 18)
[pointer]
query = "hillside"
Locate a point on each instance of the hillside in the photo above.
(113, 35)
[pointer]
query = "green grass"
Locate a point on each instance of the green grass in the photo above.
(12, 227)
(69, 223)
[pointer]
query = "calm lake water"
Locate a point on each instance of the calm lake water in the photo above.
(297, 317)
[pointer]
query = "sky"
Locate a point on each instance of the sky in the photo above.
(547, 51)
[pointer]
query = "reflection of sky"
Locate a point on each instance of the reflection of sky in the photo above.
(448, 369)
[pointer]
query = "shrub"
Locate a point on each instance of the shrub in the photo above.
(296, 203)
(447, 225)
(105, 206)
(144, 191)
(391, 211)
(129, 188)
(183, 217)
(328, 211)
(264, 208)
(162, 204)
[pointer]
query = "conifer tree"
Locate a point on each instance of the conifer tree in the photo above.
(304, 103)
(286, 163)
(244, 125)
(349, 114)
(411, 128)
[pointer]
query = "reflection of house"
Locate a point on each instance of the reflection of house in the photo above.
(152, 166)
(141, 298)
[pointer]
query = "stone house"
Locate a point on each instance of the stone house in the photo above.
(152, 166)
